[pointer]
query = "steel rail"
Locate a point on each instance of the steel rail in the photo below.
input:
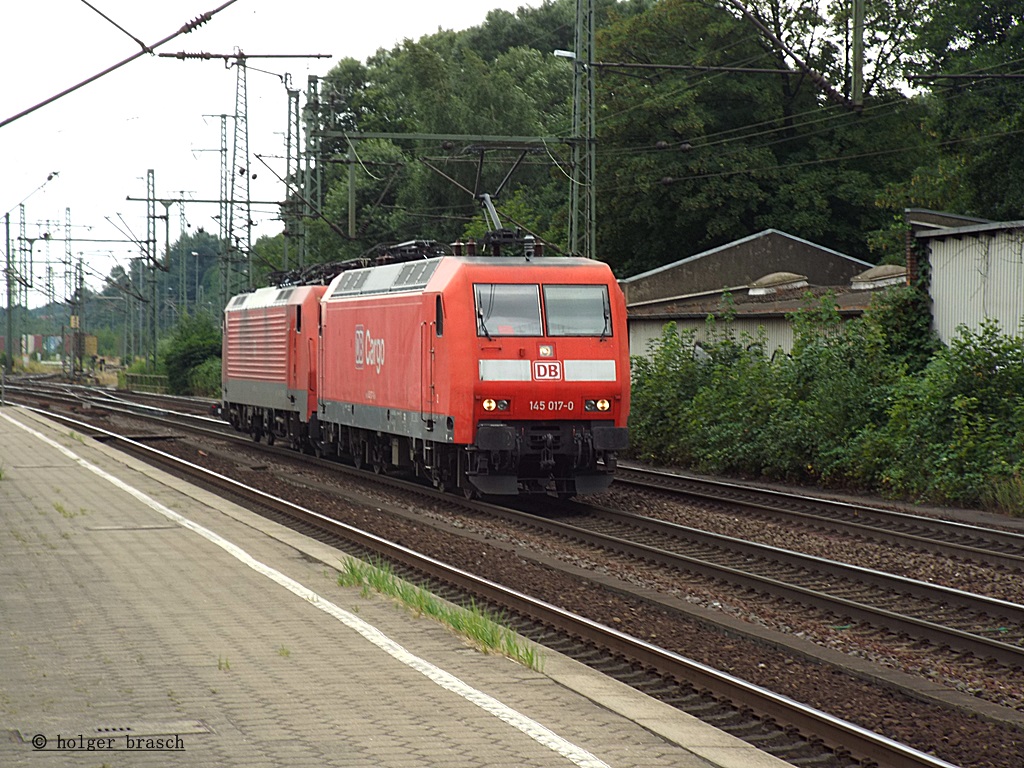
(948, 537)
(978, 645)
(205, 424)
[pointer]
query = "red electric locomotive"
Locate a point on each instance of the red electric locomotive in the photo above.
(269, 357)
(493, 374)
(496, 375)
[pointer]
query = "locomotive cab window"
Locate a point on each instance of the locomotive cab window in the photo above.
(507, 310)
(577, 310)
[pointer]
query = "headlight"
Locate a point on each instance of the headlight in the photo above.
(490, 404)
(603, 405)
(597, 405)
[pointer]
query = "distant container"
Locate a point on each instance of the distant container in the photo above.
(31, 343)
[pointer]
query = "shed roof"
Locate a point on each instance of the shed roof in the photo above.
(922, 219)
(735, 266)
(987, 228)
(778, 304)
(764, 234)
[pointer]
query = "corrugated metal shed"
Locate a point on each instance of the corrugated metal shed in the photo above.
(977, 272)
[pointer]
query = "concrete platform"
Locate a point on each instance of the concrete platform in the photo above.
(145, 622)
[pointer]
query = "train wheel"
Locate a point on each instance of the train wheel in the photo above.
(270, 438)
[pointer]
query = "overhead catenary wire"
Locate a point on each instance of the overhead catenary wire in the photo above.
(188, 27)
(834, 159)
(142, 45)
(741, 134)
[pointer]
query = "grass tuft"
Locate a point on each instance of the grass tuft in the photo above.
(488, 632)
(1006, 494)
(68, 514)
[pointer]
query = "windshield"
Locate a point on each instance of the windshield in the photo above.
(577, 310)
(507, 310)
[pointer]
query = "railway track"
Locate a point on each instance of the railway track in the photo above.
(947, 538)
(785, 727)
(963, 622)
(926, 534)
(97, 403)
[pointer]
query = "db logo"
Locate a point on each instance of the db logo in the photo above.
(547, 370)
(360, 346)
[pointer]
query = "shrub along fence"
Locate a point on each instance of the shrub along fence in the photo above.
(875, 404)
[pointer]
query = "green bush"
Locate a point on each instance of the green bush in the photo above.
(731, 423)
(196, 339)
(875, 404)
(841, 380)
(664, 384)
(958, 428)
(204, 379)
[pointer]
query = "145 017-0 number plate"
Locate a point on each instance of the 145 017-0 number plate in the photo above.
(552, 405)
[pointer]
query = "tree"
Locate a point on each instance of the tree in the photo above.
(439, 84)
(689, 160)
(195, 340)
(960, 51)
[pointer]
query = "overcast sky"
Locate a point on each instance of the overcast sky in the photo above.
(162, 113)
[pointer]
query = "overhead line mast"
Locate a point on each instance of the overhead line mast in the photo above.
(583, 193)
(236, 211)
